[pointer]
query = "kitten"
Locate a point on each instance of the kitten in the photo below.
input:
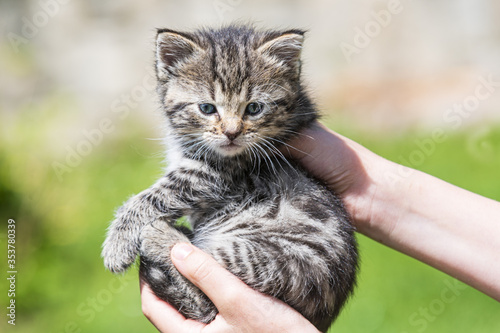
(232, 97)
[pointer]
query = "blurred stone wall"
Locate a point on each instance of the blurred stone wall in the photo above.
(385, 64)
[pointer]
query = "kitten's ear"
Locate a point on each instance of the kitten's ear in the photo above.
(172, 48)
(285, 48)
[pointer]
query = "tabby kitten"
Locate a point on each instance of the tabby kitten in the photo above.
(232, 97)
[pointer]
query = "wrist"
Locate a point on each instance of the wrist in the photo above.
(379, 202)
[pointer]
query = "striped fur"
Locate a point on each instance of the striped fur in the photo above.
(258, 214)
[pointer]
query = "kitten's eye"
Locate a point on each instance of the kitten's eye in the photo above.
(208, 108)
(254, 108)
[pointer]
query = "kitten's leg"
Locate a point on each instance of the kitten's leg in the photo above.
(180, 192)
(122, 242)
(157, 240)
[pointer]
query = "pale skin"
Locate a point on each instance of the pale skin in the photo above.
(451, 229)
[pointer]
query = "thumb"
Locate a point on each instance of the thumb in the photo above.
(238, 304)
(203, 271)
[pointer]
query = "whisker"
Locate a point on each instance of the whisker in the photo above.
(298, 133)
(278, 153)
(272, 148)
(265, 157)
(287, 145)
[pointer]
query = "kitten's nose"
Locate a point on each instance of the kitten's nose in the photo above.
(231, 135)
(232, 128)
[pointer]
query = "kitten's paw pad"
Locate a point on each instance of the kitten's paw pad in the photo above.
(118, 254)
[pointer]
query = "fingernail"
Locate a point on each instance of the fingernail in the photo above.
(181, 251)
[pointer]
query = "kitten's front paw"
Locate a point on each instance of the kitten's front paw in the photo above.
(118, 252)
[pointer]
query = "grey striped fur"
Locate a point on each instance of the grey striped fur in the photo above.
(258, 214)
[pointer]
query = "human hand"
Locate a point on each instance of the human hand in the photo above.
(406, 209)
(349, 169)
(241, 309)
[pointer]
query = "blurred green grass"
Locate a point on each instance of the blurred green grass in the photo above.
(62, 285)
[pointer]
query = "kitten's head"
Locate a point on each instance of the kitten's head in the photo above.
(232, 92)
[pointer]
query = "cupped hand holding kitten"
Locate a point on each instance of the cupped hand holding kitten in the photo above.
(241, 308)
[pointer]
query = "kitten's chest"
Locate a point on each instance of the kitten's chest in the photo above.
(228, 195)
(213, 192)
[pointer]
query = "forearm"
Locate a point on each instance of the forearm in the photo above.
(451, 229)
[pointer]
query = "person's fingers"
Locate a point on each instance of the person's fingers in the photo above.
(303, 144)
(332, 158)
(241, 308)
(223, 288)
(163, 316)
(317, 148)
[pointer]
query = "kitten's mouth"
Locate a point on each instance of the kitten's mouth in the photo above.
(231, 148)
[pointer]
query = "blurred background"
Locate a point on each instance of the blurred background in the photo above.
(418, 82)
